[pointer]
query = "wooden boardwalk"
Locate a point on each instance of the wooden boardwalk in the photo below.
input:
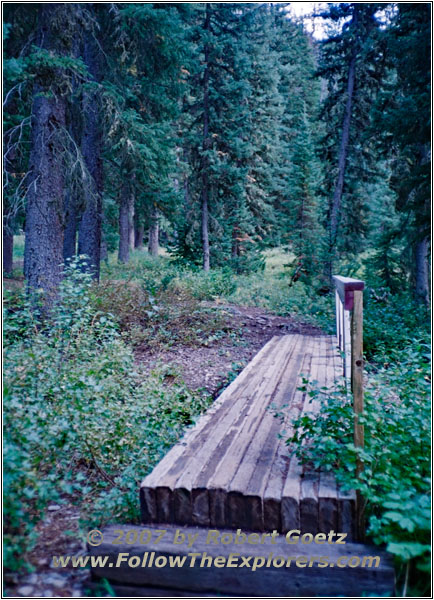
(232, 470)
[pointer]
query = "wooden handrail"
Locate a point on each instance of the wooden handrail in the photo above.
(349, 331)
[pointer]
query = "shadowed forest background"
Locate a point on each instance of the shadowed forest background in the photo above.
(181, 181)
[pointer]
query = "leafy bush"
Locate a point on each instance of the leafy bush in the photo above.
(272, 292)
(396, 457)
(389, 322)
(208, 286)
(80, 420)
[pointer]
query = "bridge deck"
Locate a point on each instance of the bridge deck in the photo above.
(233, 470)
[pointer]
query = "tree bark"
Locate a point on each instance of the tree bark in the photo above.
(125, 225)
(206, 146)
(89, 232)
(131, 228)
(44, 222)
(70, 233)
(343, 153)
(153, 242)
(422, 281)
(104, 250)
(8, 250)
(139, 236)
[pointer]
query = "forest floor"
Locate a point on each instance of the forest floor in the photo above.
(209, 369)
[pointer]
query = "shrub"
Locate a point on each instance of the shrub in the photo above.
(396, 457)
(80, 420)
(207, 285)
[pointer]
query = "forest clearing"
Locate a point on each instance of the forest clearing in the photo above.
(183, 182)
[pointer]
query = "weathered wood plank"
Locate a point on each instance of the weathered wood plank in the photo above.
(251, 478)
(291, 495)
(232, 469)
(280, 503)
(176, 458)
(224, 465)
(347, 512)
(284, 581)
(213, 449)
(328, 503)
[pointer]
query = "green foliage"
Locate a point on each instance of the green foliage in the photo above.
(389, 322)
(270, 290)
(81, 421)
(160, 303)
(218, 283)
(395, 481)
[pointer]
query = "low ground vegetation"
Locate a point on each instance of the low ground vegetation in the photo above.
(85, 422)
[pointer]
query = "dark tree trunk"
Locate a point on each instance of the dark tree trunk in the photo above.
(343, 153)
(125, 211)
(44, 222)
(206, 146)
(70, 233)
(422, 281)
(72, 200)
(89, 233)
(8, 249)
(153, 233)
(131, 228)
(139, 236)
(104, 251)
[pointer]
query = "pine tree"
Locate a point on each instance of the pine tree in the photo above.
(352, 61)
(43, 257)
(89, 229)
(403, 116)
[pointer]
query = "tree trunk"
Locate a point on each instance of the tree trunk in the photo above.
(70, 233)
(154, 233)
(44, 223)
(8, 250)
(125, 211)
(422, 282)
(343, 153)
(131, 228)
(206, 146)
(89, 233)
(139, 236)
(104, 252)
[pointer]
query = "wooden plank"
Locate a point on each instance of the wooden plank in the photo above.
(178, 455)
(290, 502)
(212, 456)
(328, 494)
(251, 477)
(347, 513)
(357, 370)
(309, 504)
(287, 581)
(346, 286)
(347, 345)
(328, 503)
(224, 464)
(279, 469)
(211, 448)
(309, 509)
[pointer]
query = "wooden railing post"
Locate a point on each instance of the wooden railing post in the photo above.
(349, 299)
(357, 367)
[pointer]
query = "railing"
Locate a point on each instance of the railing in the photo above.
(349, 332)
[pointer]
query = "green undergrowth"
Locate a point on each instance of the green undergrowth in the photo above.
(395, 482)
(82, 423)
(159, 304)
